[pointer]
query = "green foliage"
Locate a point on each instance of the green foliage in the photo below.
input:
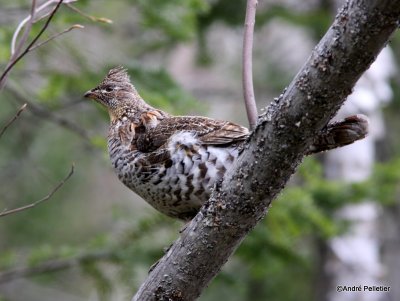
(161, 91)
(44, 252)
(317, 21)
(57, 83)
(102, 283)
(132, 251)
(280, 250)
(99, 142)
(229, 12)
(232, 13)
(8, 259)
(384, 185)
(175, 19)
(283, 248)
(5, 36)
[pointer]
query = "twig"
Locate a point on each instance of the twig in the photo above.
(15, 52)
(27, 19)
(5, 127)
(47, 197)
(21, 25)
(248, 90)
(75, 26)
(91, 18)
(42, 112)
(31, 44)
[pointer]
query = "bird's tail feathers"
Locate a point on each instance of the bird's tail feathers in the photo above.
(340, 133)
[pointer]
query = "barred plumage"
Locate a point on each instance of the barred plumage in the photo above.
(174, 161)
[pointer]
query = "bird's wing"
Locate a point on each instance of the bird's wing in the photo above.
(223, 132)
(206, 130)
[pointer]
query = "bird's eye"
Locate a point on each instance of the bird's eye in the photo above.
(109, 89)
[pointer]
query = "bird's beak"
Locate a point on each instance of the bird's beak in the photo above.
(90, 94)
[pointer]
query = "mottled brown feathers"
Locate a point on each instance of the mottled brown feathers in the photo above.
(340, 133)
(173, 162)
(207, 131)
(117, 75)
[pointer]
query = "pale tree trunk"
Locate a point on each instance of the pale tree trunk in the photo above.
(391, 246)
(275, 149)
(356, 258)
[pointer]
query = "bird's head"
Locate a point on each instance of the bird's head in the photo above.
(117, 94)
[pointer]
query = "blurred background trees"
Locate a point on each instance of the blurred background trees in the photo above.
(95, 240)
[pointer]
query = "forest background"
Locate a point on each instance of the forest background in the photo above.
(94, 239)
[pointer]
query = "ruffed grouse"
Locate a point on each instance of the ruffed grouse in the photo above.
(173, 162)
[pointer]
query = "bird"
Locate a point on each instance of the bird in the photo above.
(173, 162)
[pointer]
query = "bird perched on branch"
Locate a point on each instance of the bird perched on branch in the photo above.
(173, 162)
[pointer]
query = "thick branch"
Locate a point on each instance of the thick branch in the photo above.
(275, 149)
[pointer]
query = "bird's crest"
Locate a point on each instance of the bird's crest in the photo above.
(118, 75)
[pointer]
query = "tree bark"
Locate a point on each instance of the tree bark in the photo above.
(274, 150)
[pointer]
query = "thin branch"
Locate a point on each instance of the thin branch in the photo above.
(54, 265)
(6, 126)
(42, 112)
(90, 17)
(28, 19)
(120, 242)
(248, 89)
(75, 26)
(15, 51)
(31, 44)
(47, 197)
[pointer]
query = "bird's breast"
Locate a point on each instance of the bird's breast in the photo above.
(178, 177)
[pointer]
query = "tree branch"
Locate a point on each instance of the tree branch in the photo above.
(275, 148)
(42, 112)
(55, 36)
(30, 18)
(15, 50)
(248, 89)
(117, 243)
(53, 265)
(7, 125)
(47, 197)
(90, 17)
(14, 61)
